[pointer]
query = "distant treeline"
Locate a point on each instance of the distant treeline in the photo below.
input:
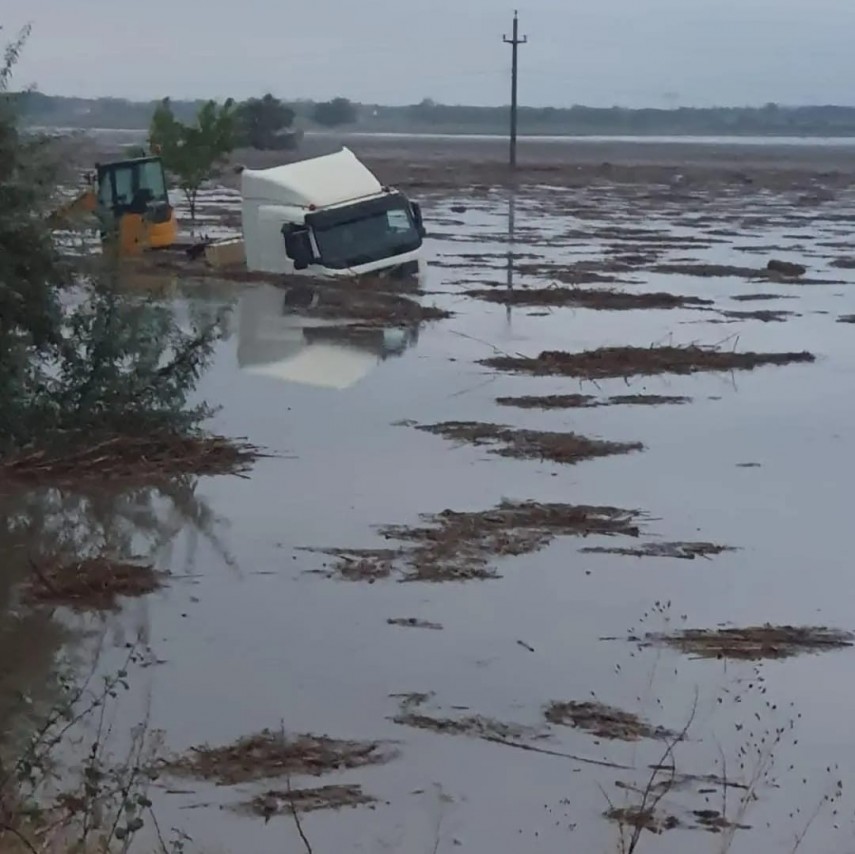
(428, 116)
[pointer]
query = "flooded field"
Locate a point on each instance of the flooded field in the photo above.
(557, 561)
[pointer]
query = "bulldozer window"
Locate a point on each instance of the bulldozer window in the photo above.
(105, 192)
(124, 186)
(151, 179)
(133, 185)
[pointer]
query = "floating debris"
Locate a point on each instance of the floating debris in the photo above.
(603, 721)
(786, 268)
(582, 273)
(567, 448)
(473, 726)
(550, 401)
(645, 400)
(363, 564)
(646, 819)
(91, 584)
(593, 298)
(715, 822)
(271, 754)
(846, 318)
(685, 551)
(413, 623)
(752, 643)
(412, 699)
(609, 362)
(765, 316)
(460, 545)
(713, 271)
(476, 726)
(454, 546)
(277, 802)
(752, 297)
(774, 272)
(588, 401)
(130, 458)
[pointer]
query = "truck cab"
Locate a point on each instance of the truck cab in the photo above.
(328, 216)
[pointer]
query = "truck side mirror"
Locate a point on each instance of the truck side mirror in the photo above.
(298, 247)
(418, 219)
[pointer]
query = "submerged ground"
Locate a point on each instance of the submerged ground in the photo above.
(516, 708)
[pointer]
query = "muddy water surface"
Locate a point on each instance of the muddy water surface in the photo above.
(253, 634)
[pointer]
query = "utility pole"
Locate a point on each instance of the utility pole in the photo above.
(514, 42)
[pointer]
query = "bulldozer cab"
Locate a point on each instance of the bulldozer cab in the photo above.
(131, 186)
(133, 203)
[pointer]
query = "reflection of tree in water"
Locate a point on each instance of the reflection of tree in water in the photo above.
(142, 523)
(126, 524)
(131, 359)
(126, 365)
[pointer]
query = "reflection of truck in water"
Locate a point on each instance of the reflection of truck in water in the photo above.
(277, 342)
(328, 216)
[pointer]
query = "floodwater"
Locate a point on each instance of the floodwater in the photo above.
(138, 136)
(250, 635)
(642, 139)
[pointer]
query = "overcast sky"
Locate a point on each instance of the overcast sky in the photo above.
(600, 52)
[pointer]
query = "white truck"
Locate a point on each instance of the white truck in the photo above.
(328, 216)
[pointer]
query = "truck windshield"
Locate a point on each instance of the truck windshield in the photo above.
(364, 232)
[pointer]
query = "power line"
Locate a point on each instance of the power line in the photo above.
(515, 41)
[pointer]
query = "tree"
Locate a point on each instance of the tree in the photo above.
(29, 264)
(193, 154)
(425, 110)
(104, 364)
(31, 271)
(260, 122)
(333, 113)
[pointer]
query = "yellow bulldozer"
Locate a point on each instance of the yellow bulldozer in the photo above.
(130, 201)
